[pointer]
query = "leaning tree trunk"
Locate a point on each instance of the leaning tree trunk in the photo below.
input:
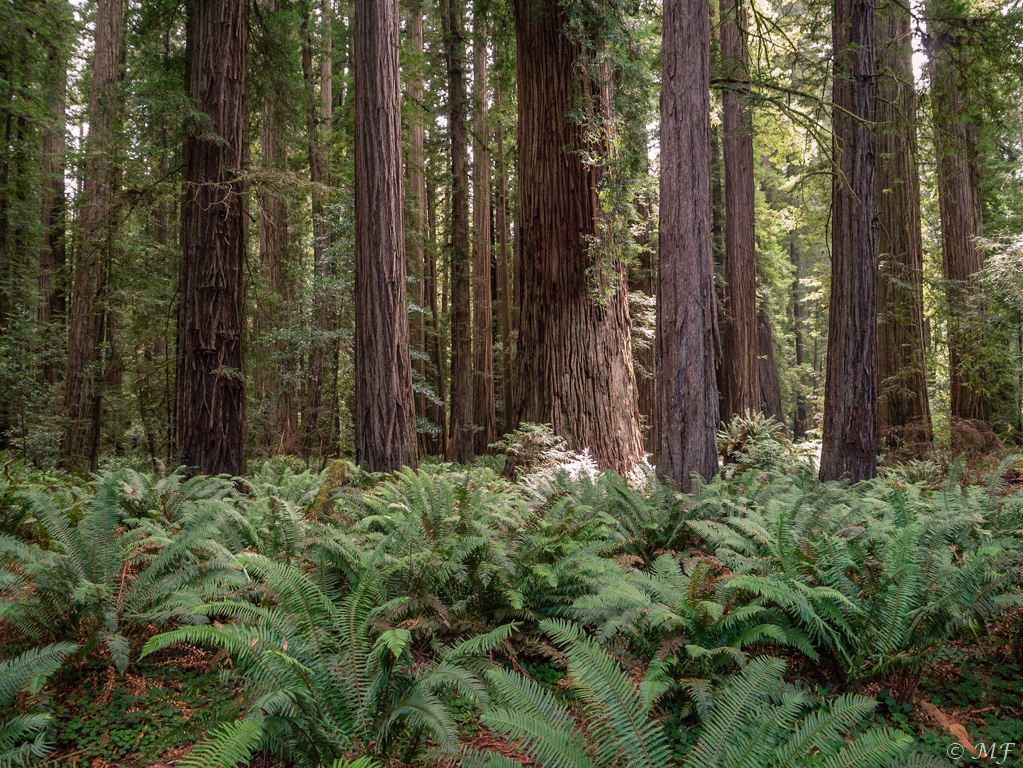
(210, 386)
(385, 434)
(687, 400)
(740, 366)
(415, 230)
(960, 207)
(903, 409)
(573, 366)
(461, 444)
(96, 228)
(484, 414)
(53, 254)
(850, 395)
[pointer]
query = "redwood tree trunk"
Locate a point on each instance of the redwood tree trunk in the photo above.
(903, 409)
(740, 366)
(385, 436)
(484, 414)
(53, 255)
(573, 363)
(439, 410)
(415, 171)
(687, 401)
(850, 395)
(504, 284)
(96, 229)
(461, 444)
(799, 423)
(210, 388)
(961, 222)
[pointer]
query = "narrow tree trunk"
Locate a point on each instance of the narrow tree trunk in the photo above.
(904, 414)
(415, 171)
(439, 411)
(687, 401)
(210, 388)
(799, 423)
(573, 364)
(385, 436)
(53, 255)
(484, 416)
(644, 280)
(740, 366)
(461, 444)
(504, 282)
(84, 380)
(770, 384)
(282, 432)
(960, 207)
(850, 396)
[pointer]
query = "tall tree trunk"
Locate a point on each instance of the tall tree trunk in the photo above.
(740, 366)
(415, 231)
(504, 283)
(799, 417)
(282, 431)
(319, 437)
(573, 363)
(850, 394)
(960, 207)
(84, 380)
(770, 384)
(385, 433)
(210, 388)
(439, 410)
(461, 444)
(687, 401)
(645, 363)
(717, 238)
(903, 409)
(484, 415)
(53, 254)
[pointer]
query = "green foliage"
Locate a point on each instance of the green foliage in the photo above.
(25, 733)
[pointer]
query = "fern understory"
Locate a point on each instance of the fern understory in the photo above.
(454, 617)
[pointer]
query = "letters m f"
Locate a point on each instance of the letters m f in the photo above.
(991, 751)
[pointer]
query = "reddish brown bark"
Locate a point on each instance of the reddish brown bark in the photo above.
(904, 415)
(740, 366)
(850, 397)
(960, 206)
(435, 337)
(385, 437)
(83, 391)
(687, 402)
(461, 444)
(210, 388)
(484, 414)
(573, 366)
(799, 421)
(504, 282)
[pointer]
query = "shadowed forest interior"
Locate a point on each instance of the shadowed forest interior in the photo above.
(496, 383)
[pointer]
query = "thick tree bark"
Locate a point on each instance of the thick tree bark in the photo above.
(573, 363)
(687, 401)
(960, 207)
(415, 218)
(740, 365)
(53, 254)
(904, 414)
(799, 423)
(484, 414)
(850, 396)
(504, 282)
(96, 228)
(461, 443)
(385, 437)
(210, 388)
(320, 402)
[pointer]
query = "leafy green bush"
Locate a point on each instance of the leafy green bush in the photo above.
(24, 733)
